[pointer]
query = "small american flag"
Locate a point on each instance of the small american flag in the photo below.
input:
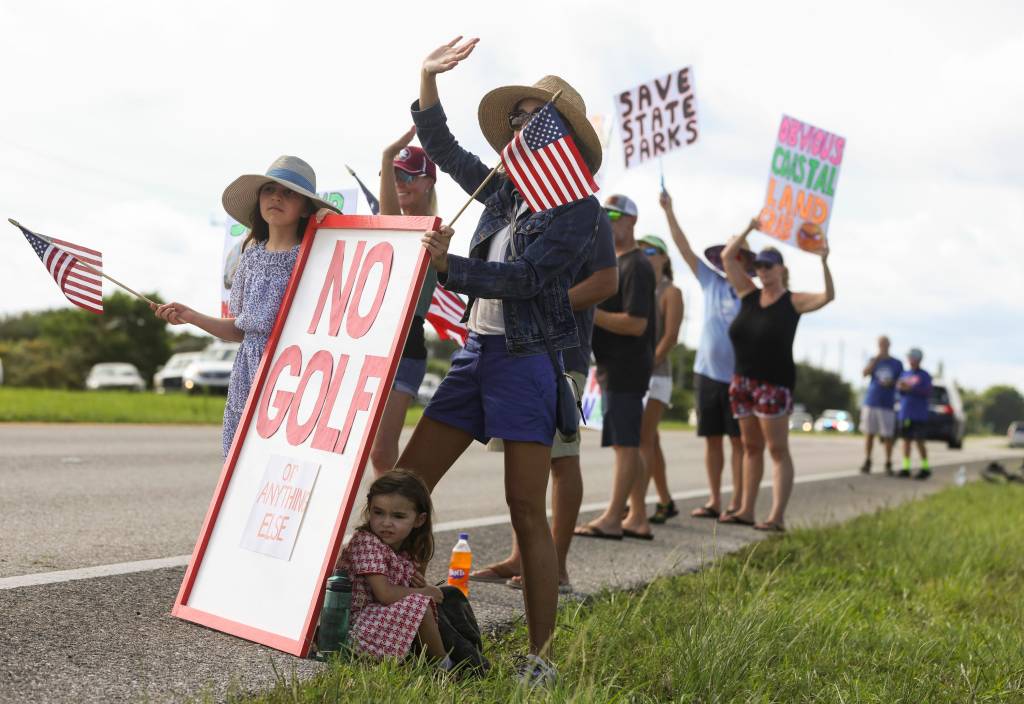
(445, 315)
(64, 262)
(544, 164)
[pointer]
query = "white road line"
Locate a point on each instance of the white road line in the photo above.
(40, 578)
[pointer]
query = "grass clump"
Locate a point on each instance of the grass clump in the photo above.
(920, 603)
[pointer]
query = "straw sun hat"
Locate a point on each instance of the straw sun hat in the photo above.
(496, 105)
(240, 198)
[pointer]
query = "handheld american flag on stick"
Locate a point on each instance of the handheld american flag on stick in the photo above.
(76, 269)
(544, 164)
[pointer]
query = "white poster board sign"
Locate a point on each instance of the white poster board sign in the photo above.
(316, 402)
(658, 116)
(279, 506)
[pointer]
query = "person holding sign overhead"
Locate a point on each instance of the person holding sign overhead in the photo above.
(522, 259)
(761, 393)
(275, 207)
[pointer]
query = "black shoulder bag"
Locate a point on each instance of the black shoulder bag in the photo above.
(568, 404)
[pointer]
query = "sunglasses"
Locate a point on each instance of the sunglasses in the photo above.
(613, 215)
(764, 265)
(517, 119)
(650, 251)
(405, 176)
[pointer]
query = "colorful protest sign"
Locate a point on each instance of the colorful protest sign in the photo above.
(591, 402)
(658, 116)
(234, 235)
(315, 402)
(802, 184)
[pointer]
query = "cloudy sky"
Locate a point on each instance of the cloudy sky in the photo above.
(122, 123)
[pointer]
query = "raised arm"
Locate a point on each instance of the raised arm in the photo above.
(677, 233)
(733, 262)
(672, 304)
(388, 192)
(807, 302)
(432, 124)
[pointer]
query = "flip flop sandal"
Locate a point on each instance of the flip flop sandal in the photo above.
(594, 532)
(636, 535)
(770, 527)
(705, 512)
(735, 518)
(517, 583)
(497, 578)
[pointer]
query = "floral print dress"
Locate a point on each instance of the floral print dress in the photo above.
(382, 630)
(257, 288)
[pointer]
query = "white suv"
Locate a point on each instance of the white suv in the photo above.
(212, 371)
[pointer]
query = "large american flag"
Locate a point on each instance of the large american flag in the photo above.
(64, 262)
(544, 164)
(445, 315)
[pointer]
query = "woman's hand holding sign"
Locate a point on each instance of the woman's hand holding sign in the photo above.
(436, 243)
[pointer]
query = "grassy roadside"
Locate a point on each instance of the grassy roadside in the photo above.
(917, 604)
(22, 405)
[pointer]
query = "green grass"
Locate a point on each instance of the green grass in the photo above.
(54, 406)
(922, 603)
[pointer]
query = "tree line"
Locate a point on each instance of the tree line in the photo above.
(56, 348)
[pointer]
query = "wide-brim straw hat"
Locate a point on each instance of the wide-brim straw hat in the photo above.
(496, 106)
(243, 194)
(714, 257)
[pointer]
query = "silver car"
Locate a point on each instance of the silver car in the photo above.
(212, 370)
(111, 376)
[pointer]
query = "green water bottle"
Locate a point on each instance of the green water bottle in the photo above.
(334, 617)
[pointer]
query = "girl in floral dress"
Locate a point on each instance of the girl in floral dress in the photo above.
(276, 207)
(391, 603)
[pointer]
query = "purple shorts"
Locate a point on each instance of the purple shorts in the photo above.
(490, 394)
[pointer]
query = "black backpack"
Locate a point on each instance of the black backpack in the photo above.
(460, 632)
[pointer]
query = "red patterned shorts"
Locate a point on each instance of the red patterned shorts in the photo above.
(752, 397)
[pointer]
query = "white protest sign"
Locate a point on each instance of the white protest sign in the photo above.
(591, 402)
(278, 508)
(316, 399)
(658, 116)
(345, 199)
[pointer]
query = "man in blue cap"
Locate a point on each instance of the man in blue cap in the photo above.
(915, 387)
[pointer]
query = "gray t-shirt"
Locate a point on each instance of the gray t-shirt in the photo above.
(602, 256)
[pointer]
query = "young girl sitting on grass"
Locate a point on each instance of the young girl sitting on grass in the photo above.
(391, 602)
(275, 207)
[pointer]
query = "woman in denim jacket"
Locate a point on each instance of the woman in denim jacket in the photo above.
(502, 383)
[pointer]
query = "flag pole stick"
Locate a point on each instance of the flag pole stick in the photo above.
(488, 179)
(87, 267)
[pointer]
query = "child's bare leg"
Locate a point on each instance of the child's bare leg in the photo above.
(430, 636)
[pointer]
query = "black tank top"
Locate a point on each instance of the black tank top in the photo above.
(763, 339)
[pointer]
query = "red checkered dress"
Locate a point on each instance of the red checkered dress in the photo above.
(379, 629)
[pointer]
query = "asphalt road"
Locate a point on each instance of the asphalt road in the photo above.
(77, 497)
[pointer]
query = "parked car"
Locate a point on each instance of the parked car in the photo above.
(946, 419)
(428, 387)
(169, 376)
(109, 376)
(1015, 433)
(800, 420)
(832, 420)
(211, 371)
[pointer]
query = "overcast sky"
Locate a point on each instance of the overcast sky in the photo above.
(122, 123)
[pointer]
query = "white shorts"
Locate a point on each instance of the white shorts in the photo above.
(878, 421)
(661, 389)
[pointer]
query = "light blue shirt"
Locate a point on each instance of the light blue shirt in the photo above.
(715, 357)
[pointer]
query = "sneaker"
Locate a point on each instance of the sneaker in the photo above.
(903, 474)
(866, 467)
(663, 512)
(888, 469)
(923, 474)
(533, 671)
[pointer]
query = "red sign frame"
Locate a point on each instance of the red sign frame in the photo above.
(301, 646)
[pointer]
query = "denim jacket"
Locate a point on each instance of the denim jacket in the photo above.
(546, 251)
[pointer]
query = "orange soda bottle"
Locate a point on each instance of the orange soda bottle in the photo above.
(461, 562)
